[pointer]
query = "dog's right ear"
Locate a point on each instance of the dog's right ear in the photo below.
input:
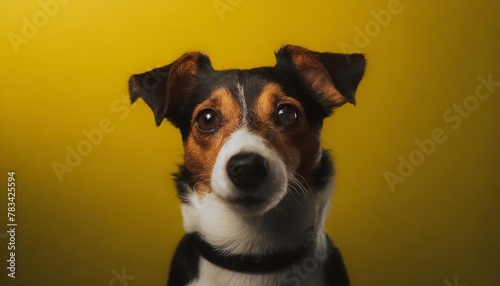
(163, 89)
(333, 77)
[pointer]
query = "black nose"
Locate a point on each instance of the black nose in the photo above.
(247, 171)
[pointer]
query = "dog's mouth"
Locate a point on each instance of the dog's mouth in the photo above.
(248, 201)
(249, 204)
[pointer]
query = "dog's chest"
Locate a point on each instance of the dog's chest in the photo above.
(211, 275)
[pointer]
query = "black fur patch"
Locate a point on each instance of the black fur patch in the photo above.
(324, 172)
(185, 264)
(334, 268)
(183, 181)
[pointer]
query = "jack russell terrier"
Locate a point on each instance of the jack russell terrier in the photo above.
(255, 185)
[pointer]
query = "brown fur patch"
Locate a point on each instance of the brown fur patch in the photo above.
(201, 150)
(317, 76)
(181, 79)
(298, 146)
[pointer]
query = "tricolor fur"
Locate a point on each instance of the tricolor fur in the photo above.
(255, 179)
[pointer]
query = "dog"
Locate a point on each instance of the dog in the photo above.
(255, 185)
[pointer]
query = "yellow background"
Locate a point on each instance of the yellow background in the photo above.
(117, 209)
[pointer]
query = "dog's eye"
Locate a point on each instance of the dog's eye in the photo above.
(207, 120)
(287, 115)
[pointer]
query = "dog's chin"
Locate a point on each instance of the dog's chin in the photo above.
(252, 205)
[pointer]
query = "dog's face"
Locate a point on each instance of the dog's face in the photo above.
(250, 136)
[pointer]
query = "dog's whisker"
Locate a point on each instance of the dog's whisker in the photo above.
(196, 178)
(300, 187)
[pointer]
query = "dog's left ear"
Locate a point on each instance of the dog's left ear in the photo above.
(163, 89)
(333, 77)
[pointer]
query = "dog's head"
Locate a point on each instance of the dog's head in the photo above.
(250, 136)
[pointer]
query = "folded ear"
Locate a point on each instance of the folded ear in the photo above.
(163, 89)
(333, 77)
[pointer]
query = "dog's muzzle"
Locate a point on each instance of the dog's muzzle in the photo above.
(249, 175)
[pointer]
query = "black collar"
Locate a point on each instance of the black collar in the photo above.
(251, 263)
